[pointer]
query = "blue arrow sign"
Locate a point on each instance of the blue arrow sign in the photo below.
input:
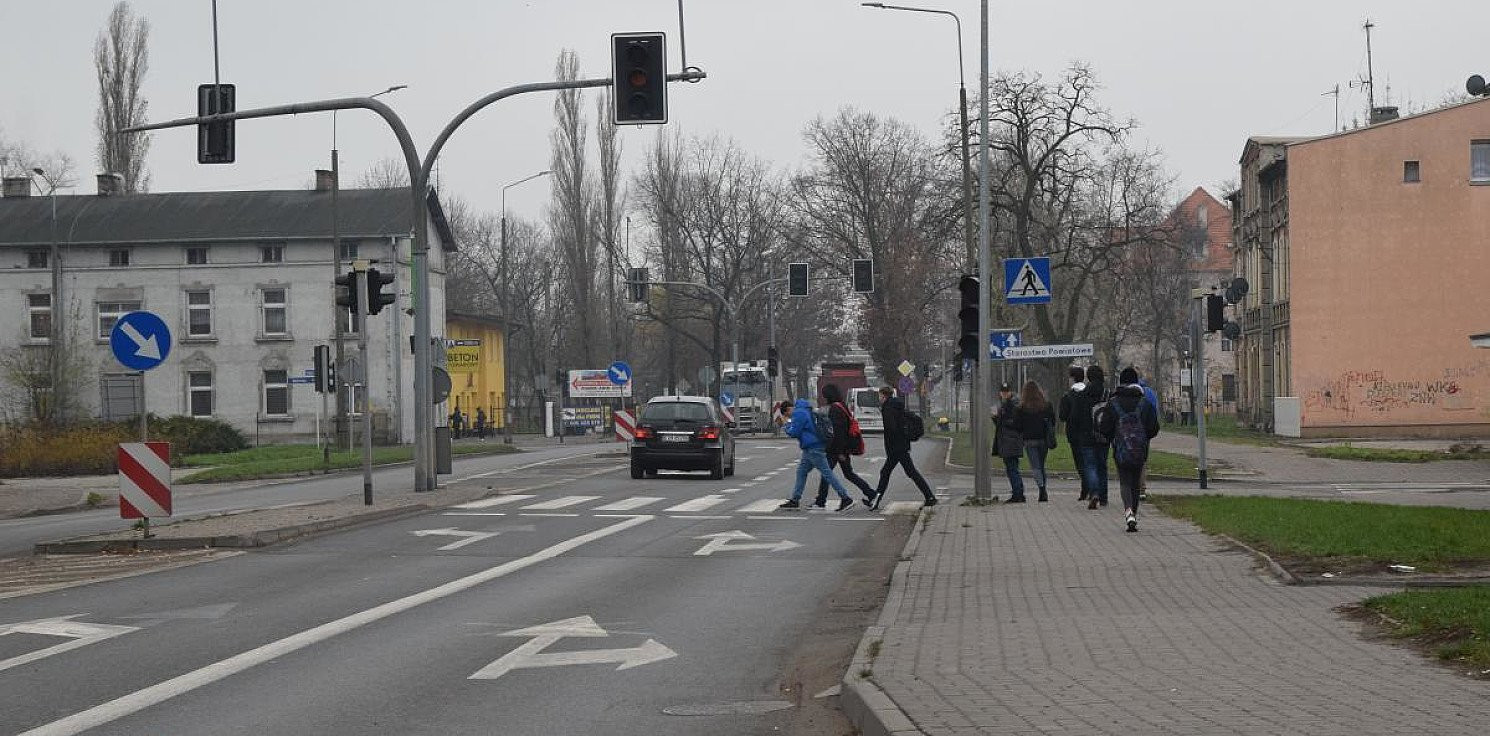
(999, 340)
(727, 398)
(140, 341)
(619, 373)
(1027, 280)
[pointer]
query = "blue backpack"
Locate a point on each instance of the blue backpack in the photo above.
(822, 426)
(1130, 442)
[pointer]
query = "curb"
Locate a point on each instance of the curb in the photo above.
(262, 538)
(56, 510)
(868, 707)
(1278, 571)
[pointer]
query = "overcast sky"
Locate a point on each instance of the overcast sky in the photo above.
(1198, 77)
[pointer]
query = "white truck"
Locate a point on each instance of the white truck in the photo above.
(751, 388)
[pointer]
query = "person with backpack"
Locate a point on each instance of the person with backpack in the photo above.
(1129, 421)
(1073, 431)
(901, 429)
(1035, 421)
(1151, 396)
(1091, 445)
(848, 440)
(813, 432)
(1008, 443)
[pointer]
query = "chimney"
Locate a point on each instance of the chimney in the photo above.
(1383, 114)
(323, 180)
(110, 185)
(17, 186)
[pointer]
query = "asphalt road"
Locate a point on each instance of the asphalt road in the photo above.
(675, 605)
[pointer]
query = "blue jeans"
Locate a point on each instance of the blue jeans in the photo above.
(1094, 469)
(1016, 483)
(816, 458)
(1036, 452)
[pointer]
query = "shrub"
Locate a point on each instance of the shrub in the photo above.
(80, 449)
(190, 436)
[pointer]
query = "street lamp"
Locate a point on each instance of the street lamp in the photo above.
(53, 330)
(507, 315)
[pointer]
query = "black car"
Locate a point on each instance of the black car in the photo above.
(682, 433)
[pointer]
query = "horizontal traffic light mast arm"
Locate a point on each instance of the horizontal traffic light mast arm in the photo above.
(716, 292)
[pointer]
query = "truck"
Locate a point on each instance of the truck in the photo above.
(751, 386)
(846, 376)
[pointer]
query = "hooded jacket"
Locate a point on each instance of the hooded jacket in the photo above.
(893, 411)
(1079, 427)
(802, 428)
(1132, 401)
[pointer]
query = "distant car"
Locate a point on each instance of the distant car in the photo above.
(682, 433)
(865, 404)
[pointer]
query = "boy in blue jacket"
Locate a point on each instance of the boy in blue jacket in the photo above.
(814, 455)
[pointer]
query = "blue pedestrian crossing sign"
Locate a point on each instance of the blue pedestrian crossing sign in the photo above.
(1027, 280)
(619, 373)
(1000, 340)
(140, 340)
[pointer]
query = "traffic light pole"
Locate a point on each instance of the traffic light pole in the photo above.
(360, 267)
(1198, 383)
(982, 483)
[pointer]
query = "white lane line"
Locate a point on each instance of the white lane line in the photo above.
(747, 485)
(782, 517)
(760, 478)
(139, 700)
(731, 490)
(635, 502)
(697, 516)
(858, 518)
(556, 515)
(500, 471)
(768, 504)
(698, 504)
(486, 503)
(474, 513)
(559, 503)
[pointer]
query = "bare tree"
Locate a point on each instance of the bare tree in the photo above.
(385, 173)
(121, 57)
(608, 212)
(571, 220)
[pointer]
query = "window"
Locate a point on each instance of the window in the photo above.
(353, 394)
(1479, 161)
(119, 257)
(1202, 216)
(199, 393)
(272, 254)
(350, 323)
(199, 313)
(274, 312)
(1227, 345)
(1411, 172)
(276, 393)
(349, 250)
(36, 259)
(196, 256)
(109, 313)
(39, 307)
(1228, 387)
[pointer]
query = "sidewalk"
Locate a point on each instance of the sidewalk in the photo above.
(1049, 619)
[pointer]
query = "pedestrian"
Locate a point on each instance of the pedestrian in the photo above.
(481, 423)
(1129, 421)
(1093, 447)
(1035, 421)
(804, 428)
(455, 420)
(1008, 443)
(841, 448)
(1073, 429)
(1152, 397)
(898, 449)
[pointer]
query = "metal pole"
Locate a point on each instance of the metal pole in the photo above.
(506, 333)
(1198, 388)
(144, 413)
(982, 483)
(367, 490)
(343, 430)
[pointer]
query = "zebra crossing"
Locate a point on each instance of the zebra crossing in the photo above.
(519, 504)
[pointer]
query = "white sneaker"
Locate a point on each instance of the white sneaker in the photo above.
(1132, 522)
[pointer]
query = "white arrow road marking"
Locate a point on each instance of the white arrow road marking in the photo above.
(144, 347)
(452, 532)
(82, 634)
(721, 542)
(181, 684)
(530, 653)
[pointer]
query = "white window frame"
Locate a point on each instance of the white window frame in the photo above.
(196, 249)
(1479, 170)
(117, 310)
(192, 389)
(272, 253)
(266, 306)
(349, 249)
(276, 385)
(354, 393)
(193, 308)
(33, 311)
(118, 257)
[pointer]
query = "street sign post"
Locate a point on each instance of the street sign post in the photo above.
(1027, 280)
(140, 341)
(144, 481)
(1001, 340)
(905, 367)
(619, 373)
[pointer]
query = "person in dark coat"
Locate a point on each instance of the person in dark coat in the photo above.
(898, 449)
(1035, 421)
(1093, 448)
(1127, 404)
(1073, 436)
(480, 422)
(1008, 443)
(840, 449)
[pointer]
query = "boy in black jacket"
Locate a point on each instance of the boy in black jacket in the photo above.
(1128, 422)
(840, 450)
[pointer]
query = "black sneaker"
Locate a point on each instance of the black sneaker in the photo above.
(869, 503)
(1015, 499)
(822, 505)
(1092, 503)
(1132, 522)
(1082, 497)
(845, 503)
(928, 502)
(789, 504)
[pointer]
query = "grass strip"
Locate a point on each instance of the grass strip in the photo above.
(1393, 455)
(1340, 534)
(1224, 428)
(285, 460)
(1453, 623)
(1059, 460)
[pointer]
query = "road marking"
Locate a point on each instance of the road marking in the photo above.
(635, 502)
(470, 537)
(82, 634)
(530, 653)
(697, 516)
(560, 502)
(768, 504)
(858, 518)
(155, 694)
(487, 503)
(553, 515)
(782, 517)
(731, 490)
(760, 478)
(549, 461)
(698, 504)
(475, 513)
(722, 542)
(747, 485)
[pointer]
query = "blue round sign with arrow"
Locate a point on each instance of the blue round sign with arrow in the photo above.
(619, 373)
(140, 340)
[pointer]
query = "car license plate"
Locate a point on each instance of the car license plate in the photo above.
(675, 437)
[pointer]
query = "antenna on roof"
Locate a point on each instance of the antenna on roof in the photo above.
(1336, 93)
(1369, 83)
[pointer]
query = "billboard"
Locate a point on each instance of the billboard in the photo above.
(596, 384)
(463, 356)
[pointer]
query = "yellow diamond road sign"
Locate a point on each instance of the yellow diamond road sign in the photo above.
(905, 367)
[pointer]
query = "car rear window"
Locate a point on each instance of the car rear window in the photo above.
(675, 410)
(867, 399)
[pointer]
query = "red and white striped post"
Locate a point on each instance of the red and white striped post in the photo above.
(625, 426)
(144, 481)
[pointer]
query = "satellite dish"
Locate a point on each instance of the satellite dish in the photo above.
(1240, 284)
(1232, 297)
(1231, 330)
(1476, 85)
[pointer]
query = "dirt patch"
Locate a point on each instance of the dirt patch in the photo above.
(1379, 628)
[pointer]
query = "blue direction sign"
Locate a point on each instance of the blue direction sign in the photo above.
(619, 373)
(727, 399)
(1027, 280)
(140, 341)
(1000, 340)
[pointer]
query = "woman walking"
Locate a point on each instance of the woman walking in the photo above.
(1008, 443)
(1035, 421)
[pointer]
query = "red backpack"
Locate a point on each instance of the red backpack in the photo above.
(855, 435)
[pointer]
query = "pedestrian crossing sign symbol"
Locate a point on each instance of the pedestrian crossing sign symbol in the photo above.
(1027, 280)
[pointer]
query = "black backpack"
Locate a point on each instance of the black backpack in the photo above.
(915, 429)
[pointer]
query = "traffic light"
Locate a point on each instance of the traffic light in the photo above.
(773, 361)
(636, 285)
(796, 279)
(969, 344)
(1215, 316)
(215, 141)
(322, 368)
(639, 78)
(346, 291)
(957, 370)
(863, 275)
(331, 370)
(376, 299)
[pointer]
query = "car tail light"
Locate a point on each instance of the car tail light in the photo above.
(708, 433)
(645, 433)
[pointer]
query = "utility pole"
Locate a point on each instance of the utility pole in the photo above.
(1197, 379)
(982, 483)
(507, 315)
(360, 266)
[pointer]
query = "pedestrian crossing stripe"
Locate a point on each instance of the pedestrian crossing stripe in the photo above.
(635, 503)
(1027, 284)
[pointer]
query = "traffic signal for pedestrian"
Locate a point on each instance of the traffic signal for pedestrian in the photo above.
(773, 361)
(322, 368)
(346, 291)
(639, 76)
(863, 275)
(1215, 315)
(215, 141)
(796, 279)
(331, 375)
(636, 285)
(376, 299)
(969, 345)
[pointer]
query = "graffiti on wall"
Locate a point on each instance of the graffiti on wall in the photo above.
(1372, 395)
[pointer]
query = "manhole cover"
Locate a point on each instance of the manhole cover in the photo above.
(735, 708)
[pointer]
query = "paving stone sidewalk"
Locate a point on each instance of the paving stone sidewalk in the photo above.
(1049, 619)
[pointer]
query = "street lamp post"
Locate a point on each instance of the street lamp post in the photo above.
(54, 372)
(507, 315)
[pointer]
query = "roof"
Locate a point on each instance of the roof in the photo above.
(1393, 121)
(178, 217)
(1270, 140)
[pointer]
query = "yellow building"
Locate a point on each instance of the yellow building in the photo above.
(474, 359)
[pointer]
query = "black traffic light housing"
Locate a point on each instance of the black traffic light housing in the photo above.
(1215, 314)
(636, 285)
(639, 78)
(863, 275)
(376, 299)
(323, 369)
(773, 361)
(796, 279)
(969, 347)
(215, 141)
(346, 291)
